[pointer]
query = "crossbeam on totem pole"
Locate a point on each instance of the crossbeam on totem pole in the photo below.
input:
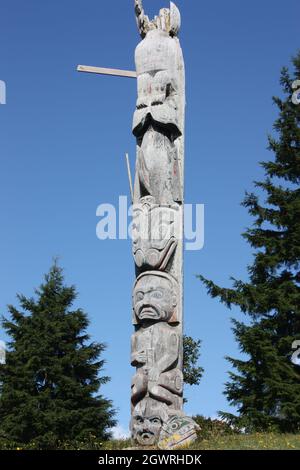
(105, 71)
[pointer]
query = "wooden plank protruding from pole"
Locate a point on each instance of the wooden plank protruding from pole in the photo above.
(104, 71)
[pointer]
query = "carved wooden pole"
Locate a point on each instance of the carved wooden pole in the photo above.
(158, 125)
(158, 205)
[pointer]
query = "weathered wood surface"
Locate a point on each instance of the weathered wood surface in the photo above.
(158, 125)
(104, 71)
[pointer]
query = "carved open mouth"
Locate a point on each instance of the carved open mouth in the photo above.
(147, 438)
(148, 312)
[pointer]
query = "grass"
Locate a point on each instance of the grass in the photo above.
(257, 441)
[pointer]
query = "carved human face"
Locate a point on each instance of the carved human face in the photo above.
(155, 298)
(146, 429)
(147, 420)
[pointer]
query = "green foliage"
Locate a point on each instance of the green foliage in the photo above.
(256, 441)
(88, 443)
(266, 387)
(191, 352)
(49, 384)
(210, 428)
(216, 438)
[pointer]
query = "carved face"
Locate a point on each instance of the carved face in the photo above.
(155, 233)
(146, 430)
(155, 88)
(147, 421)
(154, 297)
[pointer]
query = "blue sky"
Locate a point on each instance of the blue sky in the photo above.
(63, 137)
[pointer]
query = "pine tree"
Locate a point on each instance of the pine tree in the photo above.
(265, 388)
(49, 384)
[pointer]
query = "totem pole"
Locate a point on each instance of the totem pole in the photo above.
(158, 125)
(157, 231)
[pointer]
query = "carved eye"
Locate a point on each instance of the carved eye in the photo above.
(155, 420)
(174, 426)
(139, 419)
(157, 294)
(139, 296)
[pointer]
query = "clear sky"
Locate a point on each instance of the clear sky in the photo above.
(63, 136)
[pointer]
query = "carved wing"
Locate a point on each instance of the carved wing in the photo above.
(168, 20)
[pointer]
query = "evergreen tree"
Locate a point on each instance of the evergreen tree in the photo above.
(49, 384)
(266, 387)
(192, 373)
